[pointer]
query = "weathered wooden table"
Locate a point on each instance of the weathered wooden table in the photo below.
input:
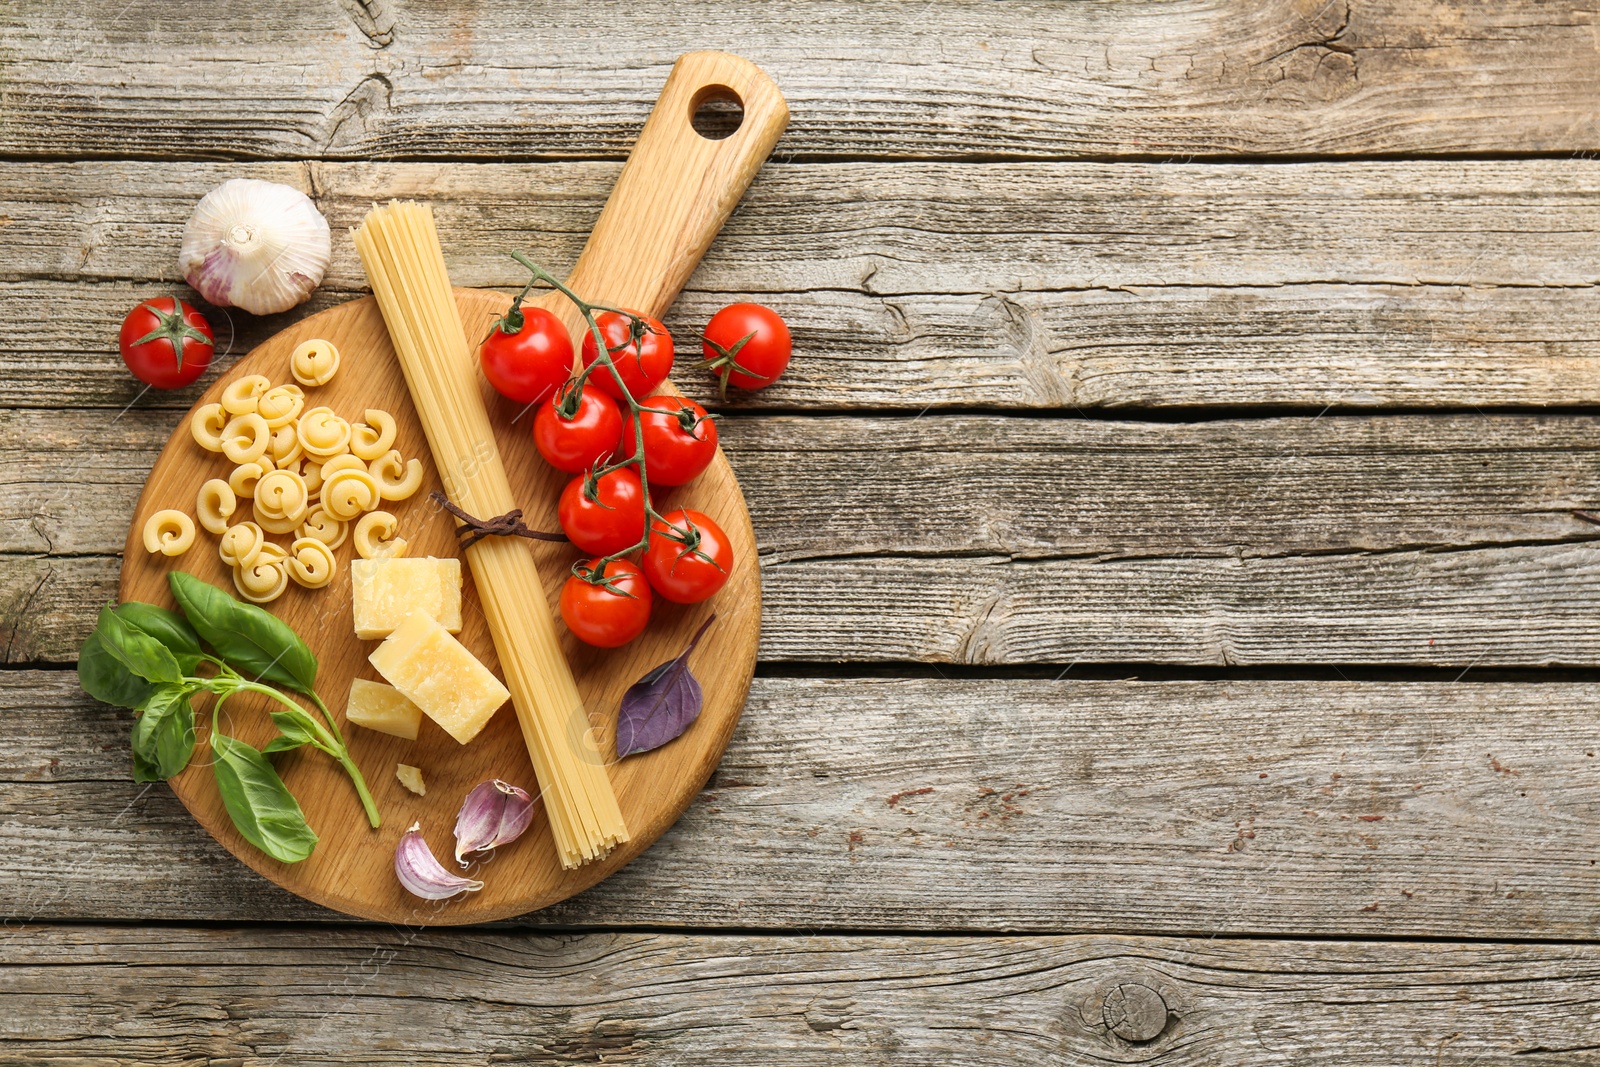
(1181, 639)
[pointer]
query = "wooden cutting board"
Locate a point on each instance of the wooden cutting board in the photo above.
(669, 202)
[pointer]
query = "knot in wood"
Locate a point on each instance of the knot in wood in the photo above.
(1134, 1012)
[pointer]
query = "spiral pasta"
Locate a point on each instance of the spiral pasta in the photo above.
(348, 493)
(282, 495)
(373, 438)
(168, 532)
(245, 438)
(346, 462)
(322, 433)
(325, 528)
(375, 537)
(314, 362)
(274, 524)
(311, 563)
(263, 581)
(207, 424)
(215, 504)
(285, 447)
(243, 396)
(281, 405)
(396, 478)
(245, 476)
(241, 544)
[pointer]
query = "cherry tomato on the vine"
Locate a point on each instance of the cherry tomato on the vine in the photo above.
(680, 439)
(609, 522)
(689, 557)
(573, 433)
(642, 357)
(610, 611)
(166, 343)
(747, 345)
(527, 355)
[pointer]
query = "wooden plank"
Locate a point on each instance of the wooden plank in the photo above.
(825, 486)
(1479, 606)
(945, 79)
(1204, 808)
(116, 994)
(1002, 540)
(917, 286)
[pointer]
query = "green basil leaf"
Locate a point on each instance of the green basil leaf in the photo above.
(292, 732)
(163, 738)
(137, 650)
(165, 626)
(104, 677)
(261, 806)
(251, 640)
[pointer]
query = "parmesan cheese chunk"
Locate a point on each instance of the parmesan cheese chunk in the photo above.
(384, 591)
(383, 708)
(439, 675)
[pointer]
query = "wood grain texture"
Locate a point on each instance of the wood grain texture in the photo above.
(352, 868)
(921, 285)
(946, 79)
(1199, 808)
(112, 995)
(1033, 540)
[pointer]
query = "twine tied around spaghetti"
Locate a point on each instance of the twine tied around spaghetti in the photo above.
(475, 529)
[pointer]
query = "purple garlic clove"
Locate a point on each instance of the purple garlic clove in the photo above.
(424, 876)
(494, 813)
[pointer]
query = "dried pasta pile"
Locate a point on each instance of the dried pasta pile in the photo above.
(308, 474)
(399, 248)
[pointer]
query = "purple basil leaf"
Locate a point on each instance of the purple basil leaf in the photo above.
(661, 705)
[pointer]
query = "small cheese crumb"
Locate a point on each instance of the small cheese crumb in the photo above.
(385, 591)
(411, 778)
(439, 675)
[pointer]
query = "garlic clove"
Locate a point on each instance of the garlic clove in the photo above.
(494, 813)
(424, 876)
(256, 245)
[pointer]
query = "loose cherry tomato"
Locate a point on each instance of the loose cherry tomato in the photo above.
(166, 343)
(680, 439)
(610, 611)
(689, 557)
(527, 356)
(609, 520)
(573, 432)
(746, 345)
(644, 361)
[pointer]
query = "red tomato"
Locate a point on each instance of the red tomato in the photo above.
(610, 522)
(644, 361)
(689, 557)
(166, 343)
(590, 435)
(746, 345)
(527, 356)
(610, 611)
(680, 439)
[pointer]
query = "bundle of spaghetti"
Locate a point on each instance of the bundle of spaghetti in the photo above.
(399, 248)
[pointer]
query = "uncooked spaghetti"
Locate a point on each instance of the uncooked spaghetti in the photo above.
(400, 249)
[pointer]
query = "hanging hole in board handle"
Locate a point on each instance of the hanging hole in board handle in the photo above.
(716, 112)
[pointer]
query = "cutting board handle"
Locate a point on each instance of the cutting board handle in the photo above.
(677, 188)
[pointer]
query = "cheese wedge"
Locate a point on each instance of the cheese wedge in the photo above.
(382, 708)
(439, 675)
(384, 591)
(411, 778)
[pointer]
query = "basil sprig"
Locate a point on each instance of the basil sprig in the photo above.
(147, 658)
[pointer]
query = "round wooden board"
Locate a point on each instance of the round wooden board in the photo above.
(352, 868)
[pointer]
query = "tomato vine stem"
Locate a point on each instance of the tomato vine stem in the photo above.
(637, 328)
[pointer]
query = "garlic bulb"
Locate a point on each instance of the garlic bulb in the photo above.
(256, 245)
